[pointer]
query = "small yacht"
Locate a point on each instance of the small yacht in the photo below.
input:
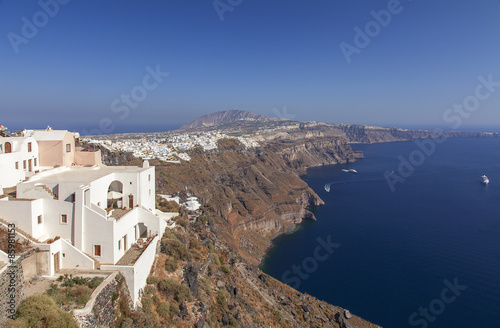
(485, 180)
(344, 170)
(327, 187)
(353, 171)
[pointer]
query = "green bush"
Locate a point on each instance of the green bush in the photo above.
(163, 309)
(150, 289)
(127, 323)
(183, 294)
(175, 249)
(181, 221)
(171, 264)
(225, 269)
(177, 291)
(222, 297)
(95, 282)
(147, 303)
(173, 309)
(40, 311)
(152, 280)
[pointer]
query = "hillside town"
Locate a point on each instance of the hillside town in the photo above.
(171, 147)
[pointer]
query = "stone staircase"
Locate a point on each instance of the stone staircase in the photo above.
(97, 264)
(22, 232)
(47, 189)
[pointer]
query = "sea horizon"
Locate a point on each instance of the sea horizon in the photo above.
(88, 129)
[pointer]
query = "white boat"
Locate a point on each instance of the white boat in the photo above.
(485, 180)
(353, 171)
(327, 187)
(344, 170)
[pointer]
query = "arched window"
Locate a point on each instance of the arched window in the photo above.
(8, 148)
(115, 195)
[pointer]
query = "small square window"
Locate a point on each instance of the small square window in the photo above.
(68, 148)
(64, 218)
(39, 219)
(97, 250)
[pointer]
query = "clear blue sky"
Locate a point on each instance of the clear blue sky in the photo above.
(263, 55)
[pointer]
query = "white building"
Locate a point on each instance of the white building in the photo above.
(18, 160)
(80, 217)
(99, 210)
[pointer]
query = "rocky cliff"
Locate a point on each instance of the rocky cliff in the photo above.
(207, 273)
(355, 133)
(256, 195)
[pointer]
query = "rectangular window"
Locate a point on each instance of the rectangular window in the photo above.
(24, 164)
(97, 250)
(39, 219)
(149, 177)
(34, 161)
(125, 242)
(149, 192)
(119, 244)
(64, 218)
(17, 165)
(29, 147)
(68, 148)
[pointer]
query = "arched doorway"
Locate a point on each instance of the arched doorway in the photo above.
(8, 147)
(115, 194)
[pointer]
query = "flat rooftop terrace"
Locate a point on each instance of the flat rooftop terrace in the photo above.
(81, 174)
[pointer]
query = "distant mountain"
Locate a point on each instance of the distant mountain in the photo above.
(223, 117)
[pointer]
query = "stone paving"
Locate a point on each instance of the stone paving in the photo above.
(131, 255)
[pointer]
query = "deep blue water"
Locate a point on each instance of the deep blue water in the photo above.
(397, 248)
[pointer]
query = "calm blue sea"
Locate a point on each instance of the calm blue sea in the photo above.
(396, 249)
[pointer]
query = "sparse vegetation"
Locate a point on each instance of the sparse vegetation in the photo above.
(40, 311)
(171, 264)
(172, 289)
(166, 206)
(73, 292)
(152, 280)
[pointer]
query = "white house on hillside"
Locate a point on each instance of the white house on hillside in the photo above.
(18, 159)
(80, 217)
(100, 210)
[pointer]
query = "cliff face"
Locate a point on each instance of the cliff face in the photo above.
(374, 134)
(301, 154)
(355, 133)
(248, 198)
(255, 195)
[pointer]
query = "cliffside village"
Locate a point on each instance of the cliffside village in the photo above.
(80, 215)
(170, 148)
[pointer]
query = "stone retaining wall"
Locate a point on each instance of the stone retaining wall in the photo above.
(100, 310)
(12, 286)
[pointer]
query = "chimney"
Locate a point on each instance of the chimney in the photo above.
(145, 164)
